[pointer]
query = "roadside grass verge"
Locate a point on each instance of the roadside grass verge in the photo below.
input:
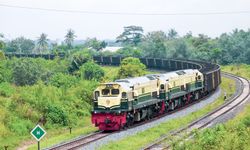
(146, 137)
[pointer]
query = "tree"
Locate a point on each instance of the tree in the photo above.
(20, 45)
(130, 52)
(78, 59)
(26, 71)
(95, 44)
(131, 67)
(132, 35)
(172, 34)
(216, 55)
(199, 41)
(69, 38)
(92, 71)
(153, 44)
(188, 35)
(42, 42)
(1, 42)
(181, 49)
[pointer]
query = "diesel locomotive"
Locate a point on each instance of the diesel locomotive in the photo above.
(123, 102)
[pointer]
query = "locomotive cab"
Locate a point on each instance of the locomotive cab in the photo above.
(108, 96)
(107, 113)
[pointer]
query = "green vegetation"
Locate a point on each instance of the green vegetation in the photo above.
(51, 93)
(69, 38)
(149, 135)
(42, 91)
(228, 48)
(234, 134)
(132, 35)
(42, 42)
(92, 71)
(242, 70)
(131, 67)
(49, 89)
(57, 136)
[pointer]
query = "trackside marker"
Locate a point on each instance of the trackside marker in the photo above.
(38, 133)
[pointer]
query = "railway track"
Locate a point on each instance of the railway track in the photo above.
(79, 142)
(84, 140)
(207, 120)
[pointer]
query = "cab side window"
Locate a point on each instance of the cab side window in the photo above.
(143, 90)
(162, 87)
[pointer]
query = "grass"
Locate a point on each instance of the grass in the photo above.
(235, 134)
(141, 139)
(242, 70)
(60, 135)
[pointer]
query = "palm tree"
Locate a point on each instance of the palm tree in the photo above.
(42, 42)
(172, 34)
(69, 38)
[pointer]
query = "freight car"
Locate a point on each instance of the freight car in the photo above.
(125, 101)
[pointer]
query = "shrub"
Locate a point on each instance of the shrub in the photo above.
(131, 67)
(246, 121)
(56, 115)
(6, 89)
(19, 126)
(62, 80)
(2, 56)
(5, 71)
(26, 71)
(92, 71)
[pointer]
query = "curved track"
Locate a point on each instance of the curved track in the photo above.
(205, 121)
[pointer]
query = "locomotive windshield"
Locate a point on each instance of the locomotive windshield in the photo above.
(105, 92)
(115, 91)
(110, 92)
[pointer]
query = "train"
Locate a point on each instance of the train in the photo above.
(119, 104)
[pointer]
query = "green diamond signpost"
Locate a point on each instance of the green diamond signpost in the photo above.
(38, 133)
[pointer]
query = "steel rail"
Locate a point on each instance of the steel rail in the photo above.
(79, 141)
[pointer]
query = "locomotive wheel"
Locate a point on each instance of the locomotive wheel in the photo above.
(130, 121)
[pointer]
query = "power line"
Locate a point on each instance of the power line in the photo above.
(126, 13)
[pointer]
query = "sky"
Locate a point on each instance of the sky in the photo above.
(182, 15)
